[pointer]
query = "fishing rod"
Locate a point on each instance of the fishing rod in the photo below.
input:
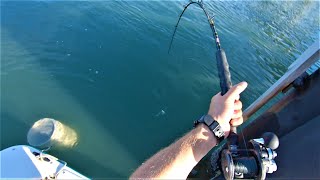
(221, 58)
(237, 163)
(222, 63)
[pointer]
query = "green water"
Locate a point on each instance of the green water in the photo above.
(102, 68)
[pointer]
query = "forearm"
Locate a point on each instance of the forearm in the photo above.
(177, 160)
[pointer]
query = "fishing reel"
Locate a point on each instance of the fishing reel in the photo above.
(251, 163)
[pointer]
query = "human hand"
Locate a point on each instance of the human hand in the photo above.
(226, 109)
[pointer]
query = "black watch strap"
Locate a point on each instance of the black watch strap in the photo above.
(213, 125)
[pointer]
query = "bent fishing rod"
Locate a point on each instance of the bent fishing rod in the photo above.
(221, 58)
(235, 163)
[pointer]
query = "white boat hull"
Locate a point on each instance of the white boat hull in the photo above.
(23, 161)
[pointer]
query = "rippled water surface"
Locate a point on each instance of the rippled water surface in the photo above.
(102, 68)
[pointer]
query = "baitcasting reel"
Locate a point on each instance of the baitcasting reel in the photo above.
(252, 163)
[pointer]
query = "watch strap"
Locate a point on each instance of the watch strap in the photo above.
(213, 125)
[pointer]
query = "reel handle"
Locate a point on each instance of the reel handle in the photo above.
(270, 140)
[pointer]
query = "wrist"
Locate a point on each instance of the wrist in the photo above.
(203, 132)
(225, 125)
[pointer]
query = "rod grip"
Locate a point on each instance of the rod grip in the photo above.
(224, 76)
(223, 71)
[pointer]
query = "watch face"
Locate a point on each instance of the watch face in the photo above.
(208, 120)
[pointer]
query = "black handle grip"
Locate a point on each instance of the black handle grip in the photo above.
(271, 140)
(223, 71)
(224, 76)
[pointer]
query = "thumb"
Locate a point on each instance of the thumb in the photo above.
(235, 90)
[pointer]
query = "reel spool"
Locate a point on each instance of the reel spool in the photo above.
(252, 163)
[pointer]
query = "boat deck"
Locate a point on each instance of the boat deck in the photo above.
(296, 120)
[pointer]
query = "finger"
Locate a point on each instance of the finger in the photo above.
(216, 96)
(236, 114)
(237, 105)
(236, 121)
(236, 90)
(238, 97)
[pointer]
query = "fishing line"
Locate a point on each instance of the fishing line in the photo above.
(222, 63)
(210, 20)
(244, 142)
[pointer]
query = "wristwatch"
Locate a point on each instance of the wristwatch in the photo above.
(212, 124)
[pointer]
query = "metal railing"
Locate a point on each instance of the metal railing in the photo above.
(296, 69)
